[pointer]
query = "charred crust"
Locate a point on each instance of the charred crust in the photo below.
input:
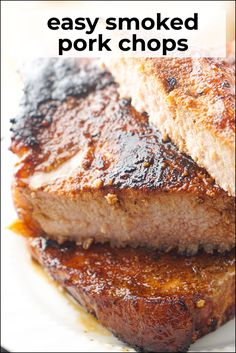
(171, 83)
(55, 81)
(72, 106)
(150, 281)
(212, 324)
(181, 302)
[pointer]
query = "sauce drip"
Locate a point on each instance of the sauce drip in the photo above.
(21, 228)
(89, 322)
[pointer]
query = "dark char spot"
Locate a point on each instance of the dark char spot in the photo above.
(171, 82)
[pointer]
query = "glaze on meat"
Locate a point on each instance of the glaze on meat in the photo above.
(91, 167)
(155, 302)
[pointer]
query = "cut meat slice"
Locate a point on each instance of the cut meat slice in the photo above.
(91, 168)
(154, 302)
(192, 101)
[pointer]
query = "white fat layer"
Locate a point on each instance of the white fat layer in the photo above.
(65, 170)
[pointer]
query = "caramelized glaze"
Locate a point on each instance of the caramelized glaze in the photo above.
(157, 302)
(69, 109)
(22, 228)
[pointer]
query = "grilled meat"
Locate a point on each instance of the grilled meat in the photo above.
(91, 169)
(155, 302)
(192, 101)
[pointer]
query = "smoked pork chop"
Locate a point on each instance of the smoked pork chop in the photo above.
(155, 302)
(191, 100)
(91, 169)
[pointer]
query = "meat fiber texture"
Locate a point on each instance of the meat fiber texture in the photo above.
(190, 100)
(91, 169)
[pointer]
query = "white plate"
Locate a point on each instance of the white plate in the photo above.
(37, 317)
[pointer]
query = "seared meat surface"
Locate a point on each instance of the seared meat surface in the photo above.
(92, 169)
(191, 100)
(155, 302)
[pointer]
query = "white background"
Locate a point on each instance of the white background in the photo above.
(25, 31)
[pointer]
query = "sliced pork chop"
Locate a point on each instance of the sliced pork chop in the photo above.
(154, 302)
(91, 168)
(191, 100)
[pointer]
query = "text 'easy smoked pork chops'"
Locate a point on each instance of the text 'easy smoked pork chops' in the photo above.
(191, 100)
(90, 168)
(155, 302)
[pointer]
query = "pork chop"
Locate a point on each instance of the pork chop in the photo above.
(191, 100)
(154, 302)
(92, 169)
